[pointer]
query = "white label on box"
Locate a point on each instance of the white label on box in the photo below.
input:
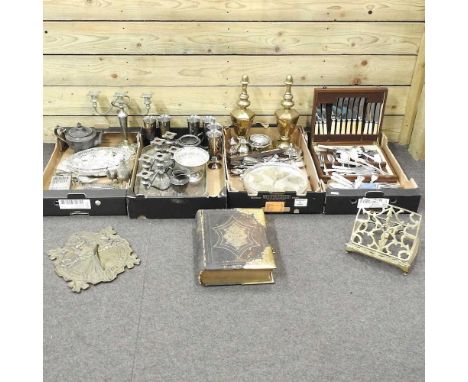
(74, 204)
(60, 182)
(373, 203)
(300, 202)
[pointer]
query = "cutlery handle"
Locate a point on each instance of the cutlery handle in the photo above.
(354, 126)
(376, 128)
(332, 128)
(348, 126)
(343, 126)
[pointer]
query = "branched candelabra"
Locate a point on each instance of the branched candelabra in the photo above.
(120, 101)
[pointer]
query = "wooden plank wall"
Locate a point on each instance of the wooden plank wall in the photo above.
(191, 54)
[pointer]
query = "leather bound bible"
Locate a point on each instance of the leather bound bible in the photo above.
(233, 247)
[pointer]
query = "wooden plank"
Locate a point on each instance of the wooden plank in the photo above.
(245, 10)
(417, 84)
(417, 143)
(64, 100)
(231, 38)
(392, 123)
(227, 70)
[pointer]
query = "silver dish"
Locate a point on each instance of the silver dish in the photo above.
(96, 161)
(189, 140)
(274, 177)
(259, 142)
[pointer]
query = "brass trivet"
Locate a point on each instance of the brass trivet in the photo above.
(91, 258)
(390, 234)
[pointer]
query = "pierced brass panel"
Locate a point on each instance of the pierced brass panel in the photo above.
(390, 234)
(91, 258)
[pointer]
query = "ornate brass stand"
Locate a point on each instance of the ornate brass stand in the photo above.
(91, 258)
(286, 118)
(390, 234)
(242, 117)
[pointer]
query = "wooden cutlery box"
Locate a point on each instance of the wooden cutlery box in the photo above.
(353, 117)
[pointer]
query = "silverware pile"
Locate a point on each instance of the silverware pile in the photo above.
(349, 115)
(351, 161)
(238, 165)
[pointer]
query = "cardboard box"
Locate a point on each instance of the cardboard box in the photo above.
(179, 206)
(84, 201)
(282, 202)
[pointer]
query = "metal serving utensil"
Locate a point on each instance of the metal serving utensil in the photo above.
(324, 119)
(333, 117)
(360, 115)
(317, 121)
(350, 115)
(367, 118)
(377, 118)
(354, 117)
(344, 112)
(339, 114)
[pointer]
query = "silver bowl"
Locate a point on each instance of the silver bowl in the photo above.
(193, 159)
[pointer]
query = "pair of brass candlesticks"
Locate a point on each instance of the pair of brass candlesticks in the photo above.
(286, 118)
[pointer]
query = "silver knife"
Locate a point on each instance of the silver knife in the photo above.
(354, 117)
(377, 118)
(350, 115)
(339, 114)
(324, 118)
(361, 115)
(317, 121)
(344, 112)
(367, 118)
(333, 117)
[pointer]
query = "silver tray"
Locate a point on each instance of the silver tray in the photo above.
(96, 161)
(275, 177)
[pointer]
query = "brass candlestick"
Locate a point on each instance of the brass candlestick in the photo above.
(286, 118)
(242, 117)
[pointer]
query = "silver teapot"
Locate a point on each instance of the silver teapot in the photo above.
(79, 137)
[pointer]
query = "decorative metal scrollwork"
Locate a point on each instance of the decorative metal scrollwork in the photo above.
(390, 234)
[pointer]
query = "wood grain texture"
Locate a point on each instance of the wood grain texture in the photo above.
(226, 70)
(245, 10)
(417, 84)
(392, 123)
(64, 100)
(231, 38)
(417, 142)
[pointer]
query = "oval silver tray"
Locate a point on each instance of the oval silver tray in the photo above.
(275, 177)
(97, 160)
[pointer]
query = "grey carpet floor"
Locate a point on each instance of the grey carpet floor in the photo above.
(331, 316)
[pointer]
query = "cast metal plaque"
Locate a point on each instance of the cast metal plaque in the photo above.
(90, 258)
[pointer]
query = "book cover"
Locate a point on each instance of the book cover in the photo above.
(233, 247)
